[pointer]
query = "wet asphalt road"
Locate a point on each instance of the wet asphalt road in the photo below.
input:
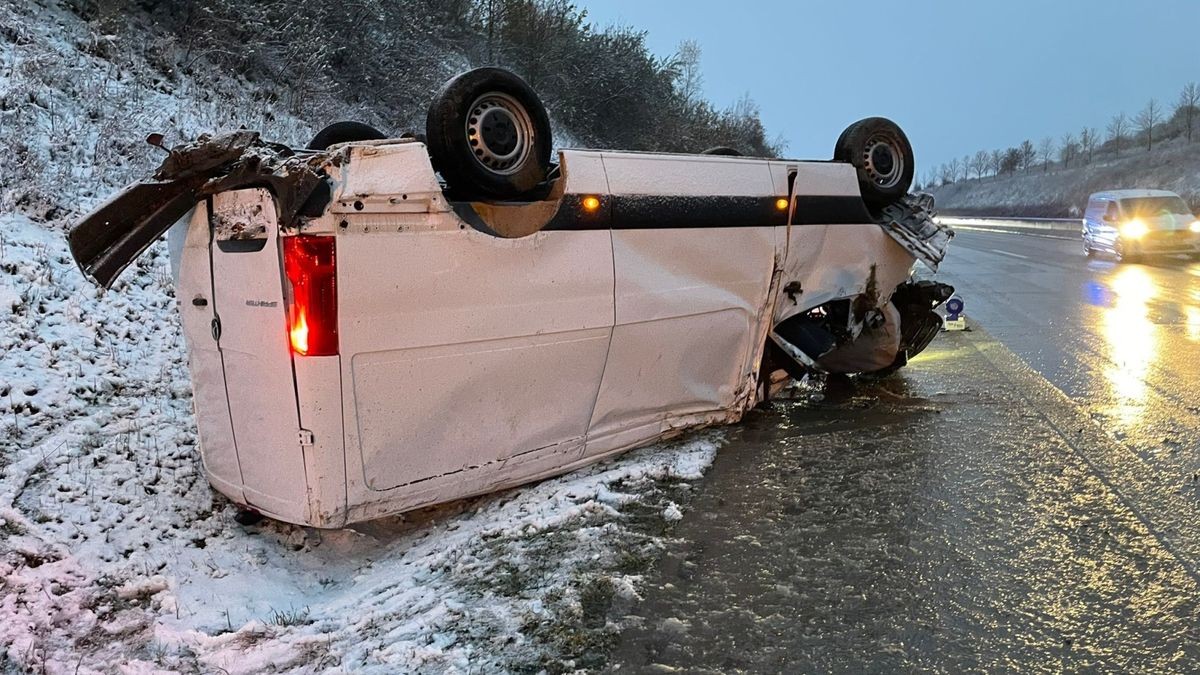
(1122, 340)
(975, 514)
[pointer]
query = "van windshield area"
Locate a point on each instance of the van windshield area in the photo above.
(1149, 207)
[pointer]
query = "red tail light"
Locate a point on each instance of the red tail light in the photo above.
(310, 263)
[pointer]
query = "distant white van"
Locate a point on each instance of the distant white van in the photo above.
(1129, 224)
(365, 338)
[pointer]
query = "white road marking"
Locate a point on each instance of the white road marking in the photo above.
(1014, 255)
(1024, 233)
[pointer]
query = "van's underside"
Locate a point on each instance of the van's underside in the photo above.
(485, 344)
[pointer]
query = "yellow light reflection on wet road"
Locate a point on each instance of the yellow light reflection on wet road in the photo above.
(1132, 341)
(1191, 323)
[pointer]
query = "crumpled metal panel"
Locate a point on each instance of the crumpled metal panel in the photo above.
(686, 338)
(113, 235)
(911, 223)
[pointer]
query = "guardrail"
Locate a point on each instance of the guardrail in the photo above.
(1072, 225)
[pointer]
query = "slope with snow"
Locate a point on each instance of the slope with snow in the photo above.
(1063, 193)
(115, 554)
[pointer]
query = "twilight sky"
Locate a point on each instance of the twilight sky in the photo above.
(958, 76)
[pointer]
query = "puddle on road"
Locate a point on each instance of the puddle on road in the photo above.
(921, 522)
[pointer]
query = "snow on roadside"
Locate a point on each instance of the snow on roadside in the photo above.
(116, 555)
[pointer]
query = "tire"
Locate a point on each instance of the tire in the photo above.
(722, 150)
(489, 134)
(883, 157)
(344, 132)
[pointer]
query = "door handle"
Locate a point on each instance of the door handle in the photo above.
(200, 301)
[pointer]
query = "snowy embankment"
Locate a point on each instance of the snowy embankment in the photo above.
(116, 556)
(1062, 193)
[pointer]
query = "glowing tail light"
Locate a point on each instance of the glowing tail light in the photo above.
(310, 263)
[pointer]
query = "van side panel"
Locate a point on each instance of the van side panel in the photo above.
(688, 301)
(685, 341)
(461, 350)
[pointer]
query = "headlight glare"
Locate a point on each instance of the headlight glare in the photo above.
(1133, 229)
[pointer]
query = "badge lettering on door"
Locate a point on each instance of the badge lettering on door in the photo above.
(262, 303)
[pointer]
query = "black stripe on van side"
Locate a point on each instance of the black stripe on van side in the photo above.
(643, 212)
(830, 210)
(647, 212)
(651, 212)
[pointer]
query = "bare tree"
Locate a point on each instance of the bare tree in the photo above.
(1011, 160)
(979, 163)
(954, 169)
(1146, 119)
(1117, 128)
(947, 172)
(1067, 149)
(690, 80)
(931, 178)
(1087, 144)
(1046, 152)
(1189, 98)
(1028, 154)
(995, 161)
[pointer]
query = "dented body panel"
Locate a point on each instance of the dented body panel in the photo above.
(484, 345)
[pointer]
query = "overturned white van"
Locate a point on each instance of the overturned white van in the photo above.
(366, 338)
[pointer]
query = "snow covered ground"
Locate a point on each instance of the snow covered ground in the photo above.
(116, 556)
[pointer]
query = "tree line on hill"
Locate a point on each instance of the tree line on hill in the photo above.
(385, 60)
(1145, 130)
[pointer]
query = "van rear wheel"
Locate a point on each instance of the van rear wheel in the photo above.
(344, 132)
(489, 134)
(882, 156)
(722, 150)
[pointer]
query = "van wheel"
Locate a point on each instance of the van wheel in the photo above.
(344, 132)
(881, 153)
(489, 133)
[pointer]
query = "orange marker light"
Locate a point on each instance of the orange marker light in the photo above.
(781, 204)
(590, 203)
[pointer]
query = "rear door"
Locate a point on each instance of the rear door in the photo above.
(191, 247)
(251, 333)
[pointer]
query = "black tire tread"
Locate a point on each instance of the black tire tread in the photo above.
(448, 148)
(344, 132)
(848, 149)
